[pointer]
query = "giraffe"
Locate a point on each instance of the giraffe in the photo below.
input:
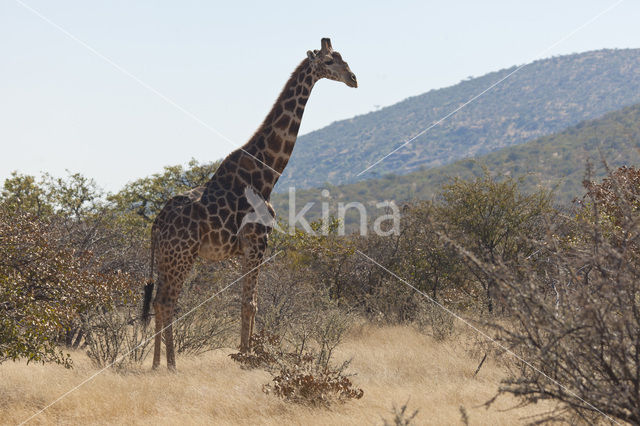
(209, 221)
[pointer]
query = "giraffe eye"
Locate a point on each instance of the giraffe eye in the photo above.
(329, 62)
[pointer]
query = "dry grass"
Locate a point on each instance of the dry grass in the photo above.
(394, 364)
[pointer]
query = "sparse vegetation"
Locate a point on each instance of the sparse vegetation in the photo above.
(503, 258)
(555, 162)
(302, 366)
(394, 364)
(116, 338)
(573, 307)
(401, 416)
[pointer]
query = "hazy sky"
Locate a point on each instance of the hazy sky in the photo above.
(62, 107)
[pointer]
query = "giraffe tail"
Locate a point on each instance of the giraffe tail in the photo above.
(148, 288)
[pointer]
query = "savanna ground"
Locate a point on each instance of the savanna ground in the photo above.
(394, 364)
(558, 286)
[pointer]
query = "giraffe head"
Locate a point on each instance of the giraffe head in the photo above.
(327, 63)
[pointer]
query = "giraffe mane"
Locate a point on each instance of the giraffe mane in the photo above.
(282, 96)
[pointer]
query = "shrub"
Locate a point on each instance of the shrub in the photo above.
(301, 382)
(401, 416)
(45, 285)
(492, 219)
(441, 323)
(573, 312)
(205, 328)
(302, 375)
(116, 338)
(265, 351)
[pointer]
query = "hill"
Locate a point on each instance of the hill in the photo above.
(556, 161)
(544, 97)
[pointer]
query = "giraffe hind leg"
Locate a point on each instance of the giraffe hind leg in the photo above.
(166, 301)
(164, 329)
(157, 347)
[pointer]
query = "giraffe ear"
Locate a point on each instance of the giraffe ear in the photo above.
(326, 45)
(311, 55)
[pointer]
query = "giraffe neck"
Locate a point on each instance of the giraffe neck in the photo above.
(273, 142)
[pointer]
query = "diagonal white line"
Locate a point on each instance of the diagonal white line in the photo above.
(486, 336)
(93, 376)
(139, 81)
(543, 52)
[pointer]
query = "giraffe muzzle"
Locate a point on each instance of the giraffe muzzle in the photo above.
(352, 81)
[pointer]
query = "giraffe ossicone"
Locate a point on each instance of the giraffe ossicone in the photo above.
(231, 215)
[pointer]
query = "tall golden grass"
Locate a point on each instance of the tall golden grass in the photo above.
(393, 365)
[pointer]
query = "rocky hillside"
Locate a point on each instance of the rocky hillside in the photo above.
(557, 161)
(544, 97)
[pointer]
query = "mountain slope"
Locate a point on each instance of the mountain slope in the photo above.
(557, 161)
(544, 97)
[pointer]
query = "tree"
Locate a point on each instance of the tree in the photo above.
(74, 197)
(145, 197)
(22, 193)
(44, 286)
(493, 219)
(431, 265)
(617, 196)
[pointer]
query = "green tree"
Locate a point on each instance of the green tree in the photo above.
(45, 285)
(74, 197)
(143, 199)
(492, 219)
(422, 256)
(21, 193)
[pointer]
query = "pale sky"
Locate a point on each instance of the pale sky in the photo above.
(63, 107)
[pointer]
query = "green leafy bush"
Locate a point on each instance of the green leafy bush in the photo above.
(44, 286)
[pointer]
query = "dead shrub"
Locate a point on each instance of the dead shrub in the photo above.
(116, 338)
(439, 322)
(304, 373)
(201, 327)
(573, 309)
(265, 351)
(302, 382)
(286, 297)
(401, 416)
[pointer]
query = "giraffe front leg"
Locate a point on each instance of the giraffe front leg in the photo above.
(254, 246)
(249, 304)
(249, 309)
(252, 321)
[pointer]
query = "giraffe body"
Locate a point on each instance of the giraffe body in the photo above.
(209, 221)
